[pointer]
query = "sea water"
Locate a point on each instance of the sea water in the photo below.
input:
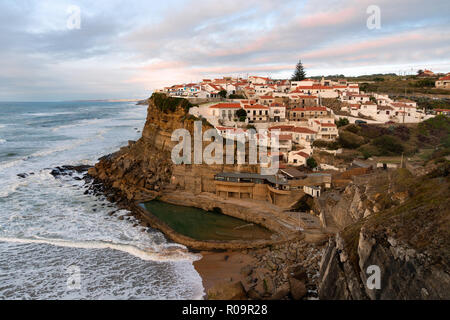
(57, 242)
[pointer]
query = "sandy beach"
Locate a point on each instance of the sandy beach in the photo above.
(219, 267)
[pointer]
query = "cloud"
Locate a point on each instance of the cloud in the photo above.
(130, 48)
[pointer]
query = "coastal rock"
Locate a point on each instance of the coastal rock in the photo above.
(281, 293)
(227, 291)
(297, 288)
(247, 270)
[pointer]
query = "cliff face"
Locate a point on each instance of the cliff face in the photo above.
(365, 195)
(144, 168)
(409, 241)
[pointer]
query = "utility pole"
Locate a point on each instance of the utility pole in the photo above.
(404, 110)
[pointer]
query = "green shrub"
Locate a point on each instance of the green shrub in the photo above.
(241, 114)
(350, 140)
(342, 122)
(388, 145)
(330, 145)
(311, 163)
(353, 128)
(369, 150)
(223, 93)
(236, 96)
(169, 104)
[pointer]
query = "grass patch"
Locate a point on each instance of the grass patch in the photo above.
(169, 104)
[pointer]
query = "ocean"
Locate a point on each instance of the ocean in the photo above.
(56, 242)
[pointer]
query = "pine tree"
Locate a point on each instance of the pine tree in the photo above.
(299, 73)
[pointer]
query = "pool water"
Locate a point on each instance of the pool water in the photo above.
(205, 225)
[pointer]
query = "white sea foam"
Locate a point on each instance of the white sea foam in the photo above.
(70, 145)
(15, 182)
(47, 222)
(47, 114)
(165, 255)
(9, 164)
(2, 141)
(81, 123)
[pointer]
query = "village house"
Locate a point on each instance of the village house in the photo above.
(368, 109)
(266, 100)
(443, 83)
(298, 158)
(300, 114)
(277, 112)
(353, 98)
(257, 113)
(426, 74)
(296, 101)
(327, 131)
(225, 111)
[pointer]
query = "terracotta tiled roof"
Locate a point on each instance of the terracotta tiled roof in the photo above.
(282, 128)
(226, 106)
(310, 109)
(266, 97)
(303, 130)
(285, 137)
(328, 125)
(255, 106)
(302, 154)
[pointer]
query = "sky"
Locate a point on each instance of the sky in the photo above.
(126, 49)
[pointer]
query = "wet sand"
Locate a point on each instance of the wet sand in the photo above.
(216, 267)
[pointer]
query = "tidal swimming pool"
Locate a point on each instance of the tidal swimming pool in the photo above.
(205, 225)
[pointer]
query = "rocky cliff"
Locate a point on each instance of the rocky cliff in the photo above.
(144, 167)
(405, 233)
(363, 196)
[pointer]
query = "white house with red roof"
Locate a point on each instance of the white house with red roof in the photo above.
(224, 111)
(353, 88)
(298, 158)
(212, 89)
(300, 100)
(277, 112)
(405, 112)
(259, 80)
(368, 109)
(327, 131)
(315, 89)
(354, 98)
(232, 133)
(300, 114)
(304, 135)
(266, 100)
(443, 82)
(303, 83)
(257, 113)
